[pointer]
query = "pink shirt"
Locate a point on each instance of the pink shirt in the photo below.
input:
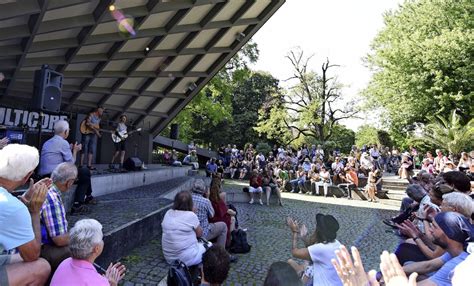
(74, 272)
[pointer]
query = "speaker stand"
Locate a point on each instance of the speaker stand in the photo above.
(40, 129)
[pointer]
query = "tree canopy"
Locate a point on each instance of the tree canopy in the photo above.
(310, 107)
(423, 63)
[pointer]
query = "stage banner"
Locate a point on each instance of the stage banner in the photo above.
(23, 118)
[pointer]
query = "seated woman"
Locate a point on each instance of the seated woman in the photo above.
(323, 244)
(406, 167)
(255, 187)
(86, 244)
(299, 181)
(325, 181)
(221, 211)
(181, 229)
(314, 179)
(270, 184)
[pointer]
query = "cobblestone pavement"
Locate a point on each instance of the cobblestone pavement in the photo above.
(360, 225)
(114, 210)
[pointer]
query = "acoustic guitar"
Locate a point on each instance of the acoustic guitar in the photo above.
(118, 137)
(86, 130)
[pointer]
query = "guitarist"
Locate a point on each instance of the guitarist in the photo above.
(89, 141)
(120, 146)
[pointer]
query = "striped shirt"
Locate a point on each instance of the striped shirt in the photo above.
(53, 216)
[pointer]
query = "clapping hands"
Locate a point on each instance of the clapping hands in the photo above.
(293, 224)
(36, 194)
(351, 270)
(115, 273)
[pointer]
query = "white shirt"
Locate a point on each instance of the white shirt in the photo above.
(179, 238)
(323, 270)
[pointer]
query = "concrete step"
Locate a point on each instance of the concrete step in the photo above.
(396, 182)
(396, 196)
(394, 187)
(390, 202)
(134, 213)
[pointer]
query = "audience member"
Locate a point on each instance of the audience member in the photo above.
(215, 266)
(321, 251)
(54, 225)
(451, 231)
(211, 167)
(56, 151)
(282, 274)
(324, 180)
(86, 245)
(181, 230)
(20, 221)
(221, 212)
(191, 159)
(270, 184)
(255, 187)
(205, 211)
(439, 161)
(351, 182)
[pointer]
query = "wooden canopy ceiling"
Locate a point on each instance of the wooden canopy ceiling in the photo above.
(178, 46)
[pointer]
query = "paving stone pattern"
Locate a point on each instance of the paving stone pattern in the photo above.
(114, 210)
(270, 240)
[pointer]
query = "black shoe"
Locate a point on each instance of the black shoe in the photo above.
(80, 210)
(390, 223)
(90, 200)
(233, 258)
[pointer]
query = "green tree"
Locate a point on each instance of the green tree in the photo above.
(252, 97)
(308, 108)
(449, 133)
(366, 135)
(207, 117)
(423, 63)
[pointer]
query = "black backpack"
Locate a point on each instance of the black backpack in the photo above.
(239, 242)
(178, 275)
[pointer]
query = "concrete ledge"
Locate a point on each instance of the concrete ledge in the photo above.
(120, 241)
(112, 183)
(117, 182)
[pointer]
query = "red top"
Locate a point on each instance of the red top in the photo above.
(255, 181)
(220, 214)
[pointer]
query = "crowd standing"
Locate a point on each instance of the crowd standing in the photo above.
(434, 223)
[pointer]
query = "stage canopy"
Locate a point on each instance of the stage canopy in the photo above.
(148, 68)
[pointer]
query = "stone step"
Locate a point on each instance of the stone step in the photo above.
(394, 187)
(134, 213)
(396, 196)
(390, 202)
(396, 182)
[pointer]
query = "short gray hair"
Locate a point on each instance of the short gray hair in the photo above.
(199, 186)
(64, 172)
(84, 236)
(60, 126)
(17, 160)
(461, 202)
(416, 192)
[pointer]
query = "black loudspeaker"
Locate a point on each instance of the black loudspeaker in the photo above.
(174, 133)
(47, 90)
(132, 164)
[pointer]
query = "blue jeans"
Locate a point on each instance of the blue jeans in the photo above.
(89, 144)
(297, 182)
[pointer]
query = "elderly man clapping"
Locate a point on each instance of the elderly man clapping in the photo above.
(20, 220)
